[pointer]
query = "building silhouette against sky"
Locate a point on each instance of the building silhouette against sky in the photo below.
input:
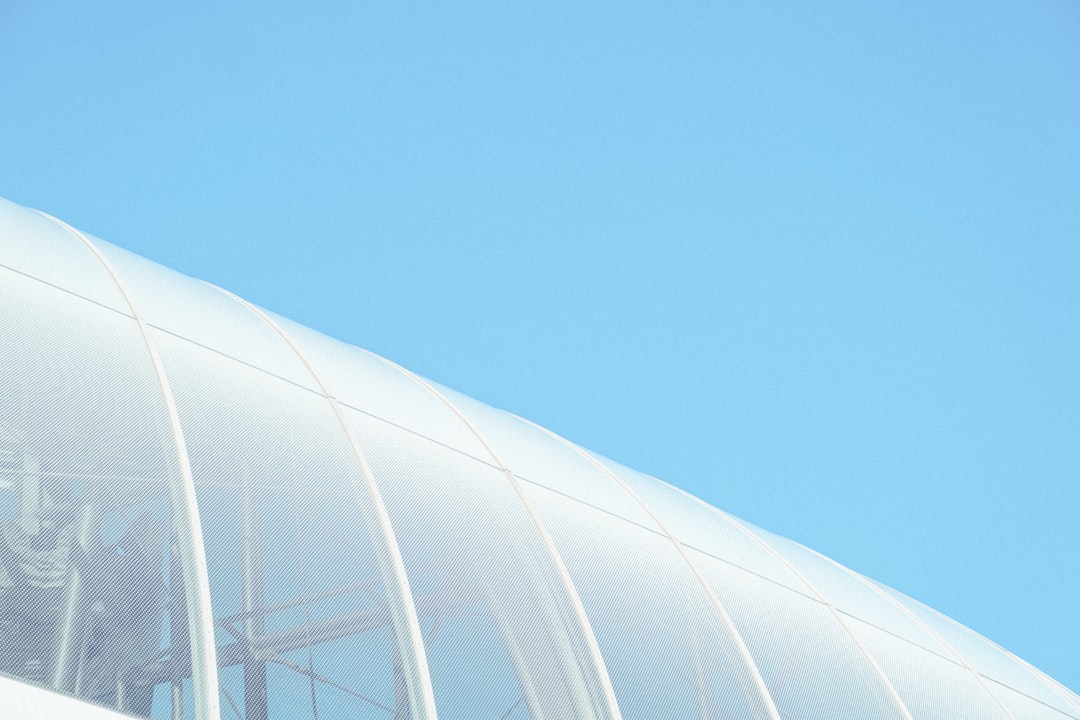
(208, 511)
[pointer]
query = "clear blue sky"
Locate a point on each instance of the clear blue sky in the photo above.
(818, 263)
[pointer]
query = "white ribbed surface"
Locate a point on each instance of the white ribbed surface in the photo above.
(380, 547)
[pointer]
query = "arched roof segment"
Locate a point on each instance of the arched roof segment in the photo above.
(209, 511)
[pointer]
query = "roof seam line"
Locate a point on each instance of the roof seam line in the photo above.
(889, 687)
(197, 584)
(744, 651)
(925, 626)
(600, 667)
(1039, 675)
(422, 696)
(754, 537)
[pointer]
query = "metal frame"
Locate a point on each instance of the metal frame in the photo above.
(923, 624)
(571, 646)
(714, 600)
(1052, 685)
(610, 703)
(409, 640)
(754, 537)
(192, 550)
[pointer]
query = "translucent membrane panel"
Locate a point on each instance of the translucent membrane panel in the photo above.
(851, 595)
(702, 528)
(302, 622)
(538, 457)
(499, 629)
(932, 687)
(203, 314)
(369, 384)
(812, 666)
(1026, 707)
(91, 598)
(1072, 698)
(37, 246)
(666, 648)
(983, 656)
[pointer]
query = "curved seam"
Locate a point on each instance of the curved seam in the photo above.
(1039, 675)
(422, 695)
(201, 633)
(925, 626)
(1062, 690)
(593, 647)
(754, 537)
(744, 651)
(889, 687)
(1056, 686)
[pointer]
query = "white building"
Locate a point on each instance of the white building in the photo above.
(208, 511)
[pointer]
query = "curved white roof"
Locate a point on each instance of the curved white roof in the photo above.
(209, 511)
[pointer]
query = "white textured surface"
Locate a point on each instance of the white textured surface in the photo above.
(378, 546)
(19, 701)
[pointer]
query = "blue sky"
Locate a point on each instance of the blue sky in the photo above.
(816, 263)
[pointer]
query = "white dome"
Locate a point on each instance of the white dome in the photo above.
(208, 511)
